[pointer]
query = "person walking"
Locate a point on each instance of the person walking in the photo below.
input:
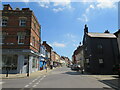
(46, 67)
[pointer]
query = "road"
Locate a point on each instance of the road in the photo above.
(58, 78)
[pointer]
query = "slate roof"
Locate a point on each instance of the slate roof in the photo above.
(101, 35)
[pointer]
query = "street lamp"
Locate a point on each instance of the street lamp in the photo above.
(28, 67)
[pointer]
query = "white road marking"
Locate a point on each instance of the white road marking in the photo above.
(1, 83)
(44, 76)
(36, 80)
(37, 83)
(30, 83)
(33, 80)
(26, 85)
(34, 85)
(41, 79)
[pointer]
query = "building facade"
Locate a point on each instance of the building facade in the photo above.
(100, 52)
(43, 58)
(55, 59)
(20, 40)
(118, 39)
(49, 53)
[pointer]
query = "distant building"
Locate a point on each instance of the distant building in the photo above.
(43, 58)
(49, 53)
(66, 60)
(100, 52)
(55, 59)
(79, 56)
(20, 40)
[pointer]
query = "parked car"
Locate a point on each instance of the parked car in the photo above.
(116, 69)
(75, 67)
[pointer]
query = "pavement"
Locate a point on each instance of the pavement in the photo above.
(111, 80)
(17, 76)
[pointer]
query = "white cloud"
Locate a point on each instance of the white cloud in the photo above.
(84, 18)
(71, 36)
(56, 44)
(44, 3)
(62, 3)
(57, 9)
(58, 5)
(106, 4)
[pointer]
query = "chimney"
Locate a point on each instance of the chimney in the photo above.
(25, 9)
(86, 29)
(44, 42)
(106, 31)
(7, 7)
(17, 9)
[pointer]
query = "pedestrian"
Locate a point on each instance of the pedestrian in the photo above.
(46, 67)
(82, 70)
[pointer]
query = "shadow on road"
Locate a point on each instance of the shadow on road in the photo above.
(72, 73)
(115, 83)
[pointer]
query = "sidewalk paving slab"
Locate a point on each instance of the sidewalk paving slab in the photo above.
(32, 75)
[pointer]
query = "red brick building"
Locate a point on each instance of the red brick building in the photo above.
(20, 39)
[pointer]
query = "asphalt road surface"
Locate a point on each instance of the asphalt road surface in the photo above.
(59, 78)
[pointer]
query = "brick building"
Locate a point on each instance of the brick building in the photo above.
(20, 40)
(55, 58)
(78, 56)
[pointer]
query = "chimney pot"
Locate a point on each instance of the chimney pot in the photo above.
(7, 7)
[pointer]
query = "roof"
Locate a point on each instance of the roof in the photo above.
(117, 32)
(101, 35)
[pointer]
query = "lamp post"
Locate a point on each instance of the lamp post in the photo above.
(28, 67)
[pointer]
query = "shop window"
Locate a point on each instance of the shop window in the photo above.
(25, 59)
(33, 63)
(9, 61)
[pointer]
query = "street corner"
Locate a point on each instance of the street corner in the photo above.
(13, 76)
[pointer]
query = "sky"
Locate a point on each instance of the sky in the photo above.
(62, 23)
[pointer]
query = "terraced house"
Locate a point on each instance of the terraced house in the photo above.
(20, 40)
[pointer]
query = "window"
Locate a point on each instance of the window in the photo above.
(22, 22)
(2, 37)
(34, 62)
(100, 61)
(25, 59)
(9, 61)
(100, 49)
(87, 61)
(33, 41)
(21, 37)
(4, 22)
(34, 26)
(0, 22)
(99, 46)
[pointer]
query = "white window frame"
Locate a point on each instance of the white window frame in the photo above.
(101, 61)
(22, 22)
(21, 35)
(4, 22)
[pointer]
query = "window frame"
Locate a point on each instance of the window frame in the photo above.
(21, 23)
